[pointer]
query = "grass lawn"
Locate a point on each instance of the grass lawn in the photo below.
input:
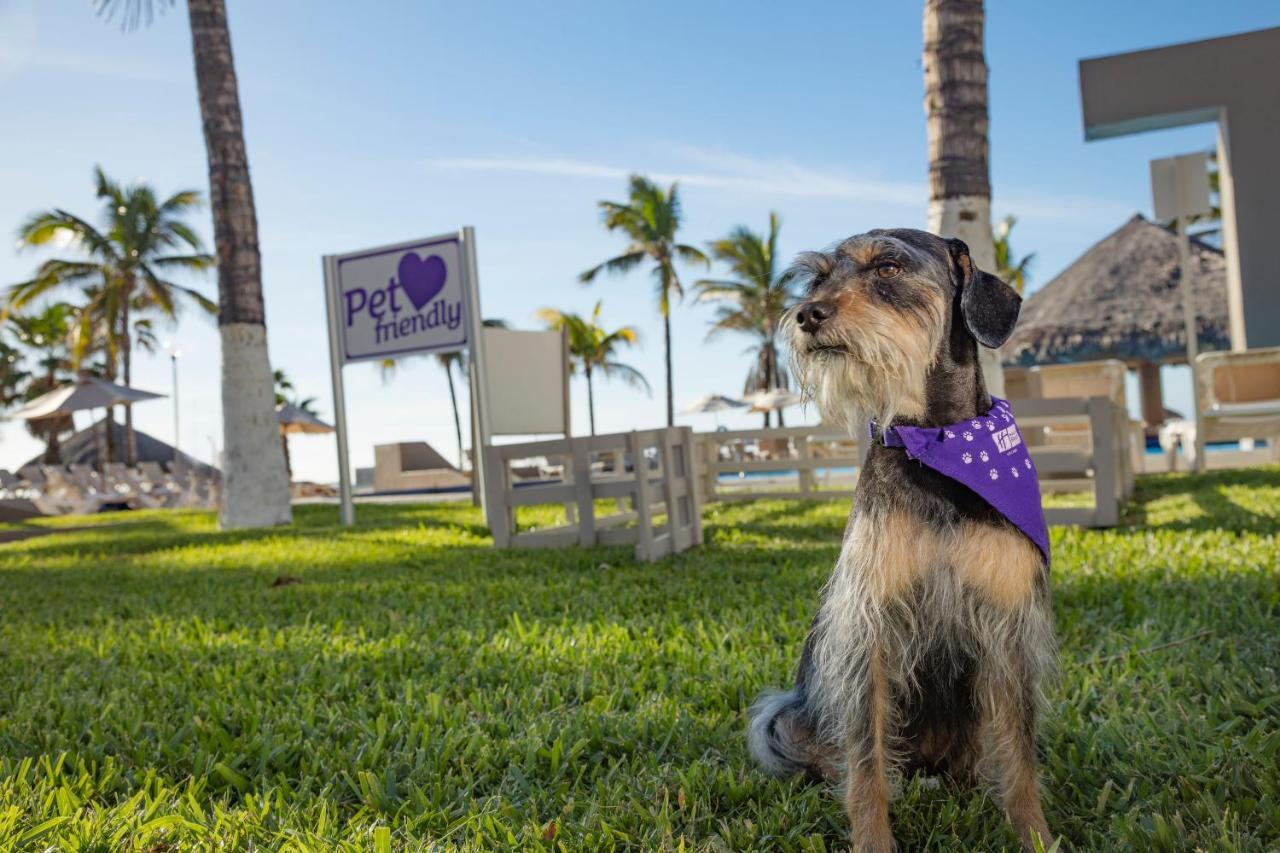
(419, 690)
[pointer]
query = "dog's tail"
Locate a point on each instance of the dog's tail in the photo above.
(781, 737)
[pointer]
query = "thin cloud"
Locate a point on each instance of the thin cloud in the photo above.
(743, 175)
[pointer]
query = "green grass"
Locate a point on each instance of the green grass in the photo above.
(419, 690)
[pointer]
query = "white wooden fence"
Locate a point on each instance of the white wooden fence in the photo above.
(749, 453)
(657, 498)
(1078, 444)
(658, 479)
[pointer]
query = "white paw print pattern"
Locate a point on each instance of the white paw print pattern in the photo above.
(968, 436)
(966, 457)
(1027, 463)
(1014, 472)
(976, 424)
(990, 426)
(995, 475)
(983, 456)
(950, 434)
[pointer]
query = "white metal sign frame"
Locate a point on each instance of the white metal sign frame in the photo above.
(473, 342)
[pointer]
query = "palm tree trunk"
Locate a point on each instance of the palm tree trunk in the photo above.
(591, 400)
(666, 337)
(768, 378)
(110, 451)
(284, 447)
(777, 375)
(955, 103)
(52, 439)
(255, 489)
(126, 361)
(457, 420)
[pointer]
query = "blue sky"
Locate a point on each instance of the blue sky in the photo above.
(380, 122)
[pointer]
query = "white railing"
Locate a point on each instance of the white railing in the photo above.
(657, 497)
(818, 456)
(1078, 444)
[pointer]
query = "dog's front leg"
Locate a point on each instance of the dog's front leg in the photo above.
(867, 796)
(1008, 737)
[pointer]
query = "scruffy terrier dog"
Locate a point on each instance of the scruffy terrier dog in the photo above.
(935, 631)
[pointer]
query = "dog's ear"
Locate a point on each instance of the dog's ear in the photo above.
(990, 307)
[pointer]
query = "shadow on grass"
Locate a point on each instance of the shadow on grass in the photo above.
(1210, 501)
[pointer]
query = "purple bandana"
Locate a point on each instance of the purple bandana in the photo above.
(987, 455)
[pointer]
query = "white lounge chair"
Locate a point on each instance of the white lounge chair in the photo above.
(97, 493)
(1239, 395)
(12, 486)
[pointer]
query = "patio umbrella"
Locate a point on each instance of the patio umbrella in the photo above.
(89, 392)
(294, 419)
(775, 400)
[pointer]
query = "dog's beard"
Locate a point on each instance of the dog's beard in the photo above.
(877, 370)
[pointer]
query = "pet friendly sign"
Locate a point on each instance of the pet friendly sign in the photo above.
(414, 297)
(402, 299)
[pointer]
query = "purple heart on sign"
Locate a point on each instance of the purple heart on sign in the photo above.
(422, 279)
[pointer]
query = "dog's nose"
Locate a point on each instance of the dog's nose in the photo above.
(811, 315)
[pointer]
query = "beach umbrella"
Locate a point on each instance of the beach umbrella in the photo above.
(294, 419)
(774, 400)
(713, 404)
(88, 392)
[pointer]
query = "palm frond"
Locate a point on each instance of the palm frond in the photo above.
(182, 202)
(133, 13)
(615, 266)
(196, 263)
(691, 255)
(625, 372)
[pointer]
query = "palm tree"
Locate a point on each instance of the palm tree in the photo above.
(124, 264)
(651, 218)
(1015, 272)
(281, 385)
(593, 347)
(955, 103)
(46, 335)
(255, 487)
(283, 389)
(449, 361)
(753, 301)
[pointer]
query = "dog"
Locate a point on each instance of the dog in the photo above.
(935, 633)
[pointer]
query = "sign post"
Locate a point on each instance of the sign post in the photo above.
(421, 296)
(1180, 190)
(480, 394)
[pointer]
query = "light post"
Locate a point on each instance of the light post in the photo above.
(174, 354)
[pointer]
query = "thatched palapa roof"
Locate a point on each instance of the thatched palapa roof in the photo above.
(1122, 299)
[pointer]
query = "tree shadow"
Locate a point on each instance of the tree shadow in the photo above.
(1157, 499)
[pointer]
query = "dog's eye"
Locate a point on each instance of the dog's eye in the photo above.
(888, 270)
